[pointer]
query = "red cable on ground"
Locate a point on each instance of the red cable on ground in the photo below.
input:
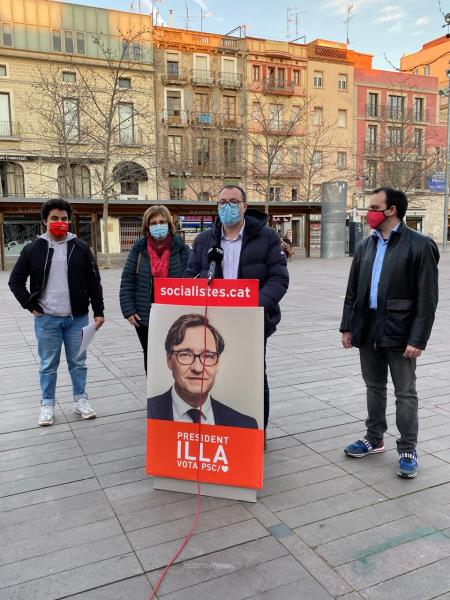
(189, 534)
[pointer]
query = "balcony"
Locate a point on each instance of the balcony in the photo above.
(202, 119)
(372, 148)
(9, 129)
(174, 118)
(397, 113)
(173, 75)
(202, 77)
(275, 86)
(230, 121)
(231, 81)
(229, 44)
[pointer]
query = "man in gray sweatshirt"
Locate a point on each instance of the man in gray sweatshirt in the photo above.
(64, 280)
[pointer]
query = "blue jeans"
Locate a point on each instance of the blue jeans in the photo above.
(51, 332)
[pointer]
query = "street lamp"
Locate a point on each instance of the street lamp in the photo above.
(446, 93)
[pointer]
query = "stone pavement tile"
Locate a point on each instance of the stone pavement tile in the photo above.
(170, 512)
(57, 561)
(39, 455)
(52, 541)
(244, 583)
(176, 529)
(437, 445)
(75, 580)
(200, 544)
(106, 420)
(302, 415)
(48, 494)
(437, 517)
(41, 470)
(351, 596)
(370, 541)
(329, 507)
(265, 516)
(394, 486)
(309, 460)
(426, 583)
(290, 451)
(370, 569)
(124, 476)
(35, 437)
(117, 466)
(309, 493)
(133, 588)
(104, 407)
(305, 589)
(352, 522)
(111, 456)
(302, 478)
(206, 568)
(337, 455)
(319, 424)
(326, 576)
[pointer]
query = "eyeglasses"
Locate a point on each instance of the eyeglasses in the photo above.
(187, 358)
(233, 202)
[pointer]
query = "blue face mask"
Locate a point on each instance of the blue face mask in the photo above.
(230, 214)
(160, 231)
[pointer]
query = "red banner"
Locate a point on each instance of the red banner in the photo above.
(214, 454)
(197, 292)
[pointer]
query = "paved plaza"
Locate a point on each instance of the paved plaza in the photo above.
(79, 518)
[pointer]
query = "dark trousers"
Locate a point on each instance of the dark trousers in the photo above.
(142, 333)
(375, 363)
(266, 390)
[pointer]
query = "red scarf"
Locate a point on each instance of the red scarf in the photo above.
(159, 256)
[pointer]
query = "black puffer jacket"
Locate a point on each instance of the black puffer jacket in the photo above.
(136, 284)
(83, 276)
(261, 258)
(407, 291)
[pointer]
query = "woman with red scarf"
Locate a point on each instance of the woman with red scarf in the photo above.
(160, 252)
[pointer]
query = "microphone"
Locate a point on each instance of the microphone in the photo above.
(214, 257)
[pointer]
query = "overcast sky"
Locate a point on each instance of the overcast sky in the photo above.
(377, 27)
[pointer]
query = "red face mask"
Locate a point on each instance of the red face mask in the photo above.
(58, 228)
(375, 218)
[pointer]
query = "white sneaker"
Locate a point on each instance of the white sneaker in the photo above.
(46, 416)
(83, 408)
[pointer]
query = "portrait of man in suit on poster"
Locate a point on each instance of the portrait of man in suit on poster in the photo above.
(193, 355)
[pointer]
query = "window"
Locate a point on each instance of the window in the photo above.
(2, 70)
(174, 106)
(230, 152)
(11, 179)
(126, 125)
(418, 111)
(174, 148)
(426, 70)
(256, 72)
(418, 140)
(342, 83)
(317, 159)
(176, 194)
(341, 160)
(7, 34)
(131, 51)
(372, 138)
(296, 115)
(74, 181)
(281, 78)
(136, 52)
(69, 76)
(318, 79)
(373, 105)
(201, 103)
(56, 40)
(81, 46)
(201, 65)
(318, 115)
(129, 174)
(125, 83)
(203, 196)
(256, 154)
(395, 106)
(271, 79)
(276, 116)
(229, 108)
(394, 137)
(296, 77)
(342, 118)
(172, 65)
(256, 111)
(229, 69)
(275, 193)
(202, 151)
(294, 194)
(68, 42)
(371, 174)
(71, 119)
(5, 116)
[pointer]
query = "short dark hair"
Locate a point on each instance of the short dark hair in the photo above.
(178, 329)
(395, 198)
(58, 203)
(235, 187)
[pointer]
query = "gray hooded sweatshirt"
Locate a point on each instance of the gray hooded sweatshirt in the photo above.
(55, 297)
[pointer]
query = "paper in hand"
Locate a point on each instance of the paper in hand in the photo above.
(87, 335)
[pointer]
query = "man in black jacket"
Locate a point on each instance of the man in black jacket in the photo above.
(64, 280)
(389, 311)
(252, 250)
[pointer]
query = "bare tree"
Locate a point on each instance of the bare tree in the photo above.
(84, 121)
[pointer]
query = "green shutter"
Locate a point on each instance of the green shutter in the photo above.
(177, 183)
(231, 182)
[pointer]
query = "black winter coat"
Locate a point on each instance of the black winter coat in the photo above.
(261, 258)
(407, 291)
(137, 280)
(83, 276)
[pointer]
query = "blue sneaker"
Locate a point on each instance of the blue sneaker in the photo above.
(407, 466)
(363, 447)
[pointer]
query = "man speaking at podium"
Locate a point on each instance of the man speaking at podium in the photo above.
(251, 250)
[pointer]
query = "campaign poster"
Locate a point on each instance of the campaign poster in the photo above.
(205, 383)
